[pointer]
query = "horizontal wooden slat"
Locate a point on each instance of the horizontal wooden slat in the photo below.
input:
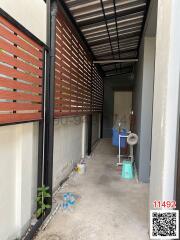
(9, 83)
(97, 92)
(11, 72)
(14, 106)
(73, 72)
(12, 95)
(19, 64)
(10, 36)
(20, 33)
(21, 82)
(19, 117)
(19, 53)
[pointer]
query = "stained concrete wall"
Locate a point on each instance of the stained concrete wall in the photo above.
(70, 144)
(143, 101)
(165, 106)
(143, 95)
(67, 146)
(19, 143)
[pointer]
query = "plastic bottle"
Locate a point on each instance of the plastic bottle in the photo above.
(65, 203)
(71, 200)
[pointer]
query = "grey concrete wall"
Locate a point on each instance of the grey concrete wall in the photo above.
(143, 94)
(67, 146)
(70, 143)
(143, 101)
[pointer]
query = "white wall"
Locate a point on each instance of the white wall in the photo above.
(30, 13)
(19, 143)
(7, 178)
(165, 107)
(122, 108)
(18, 177)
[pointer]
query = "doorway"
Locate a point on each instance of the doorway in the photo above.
(122, 109)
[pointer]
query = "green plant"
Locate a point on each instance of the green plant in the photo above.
(42, 196)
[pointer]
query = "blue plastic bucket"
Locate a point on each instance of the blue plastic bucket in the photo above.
(123, 139)
(115, 137)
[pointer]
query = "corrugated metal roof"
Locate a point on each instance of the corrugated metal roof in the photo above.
(112, 28)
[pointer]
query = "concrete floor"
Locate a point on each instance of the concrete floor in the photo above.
(109, 208)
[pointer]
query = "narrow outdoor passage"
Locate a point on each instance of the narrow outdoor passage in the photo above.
(108, 208)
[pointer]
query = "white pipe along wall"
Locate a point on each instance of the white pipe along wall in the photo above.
(19, 143)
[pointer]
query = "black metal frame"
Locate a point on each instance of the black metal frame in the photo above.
(117, 32)
(105, 20)
(126, 36)
(49, 134)
(133, 10)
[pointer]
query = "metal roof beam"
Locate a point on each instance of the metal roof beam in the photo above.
(118, 74)
(127, 60)
(111, 17)
(87, 8)
(102, 41)
(112, 31)
(124, 41)
(104, 17)
(130, 50)
(101, 31)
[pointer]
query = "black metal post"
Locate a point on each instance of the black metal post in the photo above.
(49, 124)
(41, 130)
(102, 114)
(46, 167)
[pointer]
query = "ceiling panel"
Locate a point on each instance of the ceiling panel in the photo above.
(112, 28)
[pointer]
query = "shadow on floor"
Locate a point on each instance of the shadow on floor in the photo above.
(109, 208)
